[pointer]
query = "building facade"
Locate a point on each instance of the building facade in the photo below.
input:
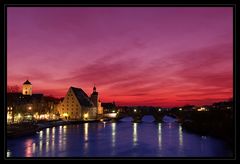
(25, 105)
(27, 88)
(76, 105)
(96, 102)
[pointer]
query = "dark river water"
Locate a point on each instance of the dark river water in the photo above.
(121, 139)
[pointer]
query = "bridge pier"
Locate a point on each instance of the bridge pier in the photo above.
(114, 119)
(137, 118)
(158, 120)
(158, 117)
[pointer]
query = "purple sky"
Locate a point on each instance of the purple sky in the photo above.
(163, 56)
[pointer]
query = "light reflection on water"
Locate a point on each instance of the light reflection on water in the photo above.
(85, 137)
(160, 136)
(180, 137)
(9, 153)
(28, 148)
(113, 134)
(124, 139)
(53, 138)
(135, 135)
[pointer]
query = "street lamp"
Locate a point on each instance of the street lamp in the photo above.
(29, 108)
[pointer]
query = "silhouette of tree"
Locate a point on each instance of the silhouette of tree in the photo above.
(13, 89)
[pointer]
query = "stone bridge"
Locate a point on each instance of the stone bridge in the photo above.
(157, 114)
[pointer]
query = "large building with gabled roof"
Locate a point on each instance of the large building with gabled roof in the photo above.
(76, 105)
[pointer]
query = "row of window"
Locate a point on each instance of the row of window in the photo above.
(70, 95)
(69, 105)
(70, 109)
(72, 105)
(72, 113)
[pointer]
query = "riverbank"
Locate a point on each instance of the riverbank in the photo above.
(29, 128)
(216, 124)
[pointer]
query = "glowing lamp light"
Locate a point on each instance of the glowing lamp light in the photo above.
(113, 111)
(159, 109)
(112, 115)
(42, 116)
(36, 116)
(85, 115)
(65, 114)
(180, 109)
(9, 117)
(201, 109)
(135, 110)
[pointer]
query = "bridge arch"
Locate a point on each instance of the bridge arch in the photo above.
(157, 115)
(148, 118)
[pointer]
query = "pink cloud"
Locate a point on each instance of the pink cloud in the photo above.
(144, 56)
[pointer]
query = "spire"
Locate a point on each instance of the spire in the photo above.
(27, 82)
(94, 88)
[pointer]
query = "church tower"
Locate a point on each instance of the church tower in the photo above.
(96, 101)
(94, 96)
(27, 88)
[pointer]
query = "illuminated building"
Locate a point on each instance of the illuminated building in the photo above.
(95, 99)
(27, 88)
(76, 105)
(25, 104)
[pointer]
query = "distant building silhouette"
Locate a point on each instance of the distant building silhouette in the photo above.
(109, 107)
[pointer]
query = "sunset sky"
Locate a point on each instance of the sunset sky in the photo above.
(159, 56)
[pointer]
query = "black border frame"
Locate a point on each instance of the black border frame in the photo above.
(204, 3)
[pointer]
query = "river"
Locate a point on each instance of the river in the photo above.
(121, 139)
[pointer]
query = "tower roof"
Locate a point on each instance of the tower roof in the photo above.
(27, 82)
